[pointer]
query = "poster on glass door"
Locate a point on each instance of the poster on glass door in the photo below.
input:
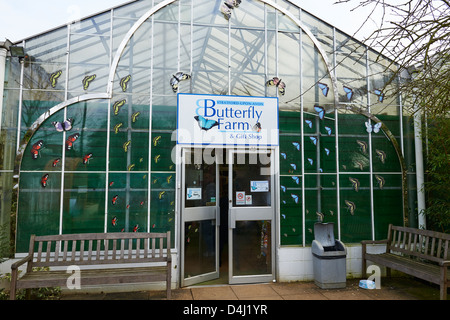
(227, 120)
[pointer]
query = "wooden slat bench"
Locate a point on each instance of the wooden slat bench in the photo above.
(101, 258)
(420, 253)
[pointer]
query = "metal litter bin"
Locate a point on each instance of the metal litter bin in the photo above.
(329, 258)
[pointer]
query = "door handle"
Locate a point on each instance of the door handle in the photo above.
(232, 218)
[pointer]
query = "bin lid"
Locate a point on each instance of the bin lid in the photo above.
(324, 233)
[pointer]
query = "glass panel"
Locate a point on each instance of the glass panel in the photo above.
(199, 248)
(252, 248)
(84, 203)
(251, 177)
(200, 183)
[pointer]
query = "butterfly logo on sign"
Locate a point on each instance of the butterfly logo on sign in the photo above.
(205, 124)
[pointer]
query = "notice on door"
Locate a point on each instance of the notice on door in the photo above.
(259, 186)
(194, 194)
(240, 198)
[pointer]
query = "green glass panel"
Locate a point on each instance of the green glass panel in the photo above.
(86, 142)
(162, 212)
(385, 158)
(291, 210)
(388, 208)
(355, 208)
(164, 118)
(38, 207)
(127, 202)
(354, 154)
(290, 155)
(289, 122)
(84, 203)
(162, 152)
(320, 202)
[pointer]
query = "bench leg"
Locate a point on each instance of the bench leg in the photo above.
(443, 285)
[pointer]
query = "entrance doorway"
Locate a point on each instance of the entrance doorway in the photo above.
(227, 216)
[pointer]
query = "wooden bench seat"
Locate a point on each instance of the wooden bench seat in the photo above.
(420, 253)
(103, 259)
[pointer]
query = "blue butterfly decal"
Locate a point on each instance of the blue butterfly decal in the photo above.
(311, 161)
(349, 93)
(380, 95)
(314, 140)
(321, 111)
(205, 124)
(324, 88)
(295, 197)
(294, 166)
(296, 179)
(327, 151)
(283, 155)
(328, 130)
(296, 145)
(309, 123)
(283, 188)
(373, 128)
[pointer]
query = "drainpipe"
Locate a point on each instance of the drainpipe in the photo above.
(3, 53)
(420, 177)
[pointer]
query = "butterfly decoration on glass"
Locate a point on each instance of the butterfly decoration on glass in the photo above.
(126, 146)
(177, 78)
(375, 128)
(355, 183)
(118, 105)
(227, 6)
(87, 157)
(381, 155)
(321, 111)
(135, 116)
(295, 197)
(348, 93)
(380, 180)
(296, 179)
(351, 207)
(117, 127)
(283, 188)
(55, 162)
(311, 161)
(36, 148)
(296, 145)
(362, 145)
(44, 180)
(88, 80)
(205, 124)
(54, 78)
(275, 81)
(309, 123)
(124, 82)
(71, 140)
(324, 87)
(327, 151)
(328, 130)
(294, 166)
(379, 94)
(114, 200)
(63, 126)
(313, 140)
(283, 155)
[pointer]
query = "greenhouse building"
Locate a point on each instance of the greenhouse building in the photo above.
(235, 125)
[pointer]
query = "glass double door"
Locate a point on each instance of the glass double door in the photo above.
(227, 216)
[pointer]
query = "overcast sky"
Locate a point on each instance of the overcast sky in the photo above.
(25, 18)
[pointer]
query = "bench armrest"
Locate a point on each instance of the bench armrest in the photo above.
(366, 242)
(17, 264)
(445, 263)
